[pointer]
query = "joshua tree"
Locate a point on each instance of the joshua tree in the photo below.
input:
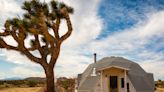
(41, 21)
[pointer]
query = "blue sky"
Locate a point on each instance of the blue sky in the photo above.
(123, 14)
(132, 29)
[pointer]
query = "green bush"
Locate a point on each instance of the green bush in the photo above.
(32, 83)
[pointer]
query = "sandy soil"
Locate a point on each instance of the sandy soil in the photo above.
(40, 89)
(160, 90)
(35, 89)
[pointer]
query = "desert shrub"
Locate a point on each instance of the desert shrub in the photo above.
(32, 83)
(1, 82)
(67, 83)
(6, 86)
(17, 83)
(159, 84)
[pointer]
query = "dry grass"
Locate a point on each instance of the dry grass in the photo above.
(33, 89)
(160, 90)
(40, 89)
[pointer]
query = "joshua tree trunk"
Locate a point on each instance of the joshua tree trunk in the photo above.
(50, 79)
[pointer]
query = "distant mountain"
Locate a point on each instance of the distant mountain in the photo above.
(28, 78)
(13, 78)
(35, 79)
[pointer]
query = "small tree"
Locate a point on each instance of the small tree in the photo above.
(38, 20)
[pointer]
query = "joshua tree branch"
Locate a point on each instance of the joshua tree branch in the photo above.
(13, 34)
(30, 56)
(32, 48)
(64, 37)
(54, 57)
(38, 46)
(50, 40)
(69, 25)
(55, 27)
(6, 33)
(3, 44)
(34, 31)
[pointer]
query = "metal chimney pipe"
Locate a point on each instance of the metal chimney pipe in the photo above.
(95, 58)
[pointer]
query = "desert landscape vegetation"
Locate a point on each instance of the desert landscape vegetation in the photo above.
(36, 84)
(159, 86)
(31, 89)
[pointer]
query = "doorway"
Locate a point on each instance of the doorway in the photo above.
(113, 84)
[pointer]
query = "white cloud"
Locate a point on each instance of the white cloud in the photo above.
(26, 72)
(2, 76)
(154, 67)
(86, 23)
(154, 26)
(133, 38)
(8, 9)
(71, 63)
(1, 54)
(17, 58)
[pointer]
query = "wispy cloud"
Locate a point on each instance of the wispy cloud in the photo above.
(154, 66)
(8, 9)
(26, 72)
(121, 14)
(17, 58)
(2, 75)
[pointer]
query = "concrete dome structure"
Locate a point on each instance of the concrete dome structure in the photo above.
(115, 74)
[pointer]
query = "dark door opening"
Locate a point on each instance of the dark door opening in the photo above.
(113, 84)
(127, 87)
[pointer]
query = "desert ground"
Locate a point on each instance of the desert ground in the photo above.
(40, 89)
(32, 89)
(160, 90)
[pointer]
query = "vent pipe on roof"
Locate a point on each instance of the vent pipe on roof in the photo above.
(95, 58)
(94, 69)
(94, 72)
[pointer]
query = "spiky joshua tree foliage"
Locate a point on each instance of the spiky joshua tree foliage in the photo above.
(41, 21)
